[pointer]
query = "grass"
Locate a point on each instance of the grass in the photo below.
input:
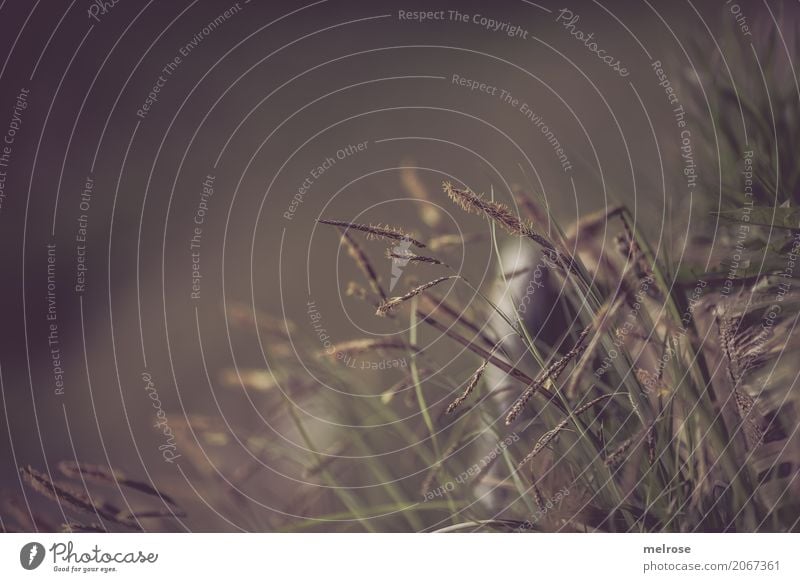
(652, 410)
(671, 459)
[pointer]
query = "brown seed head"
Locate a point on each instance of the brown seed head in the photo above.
(388, 305)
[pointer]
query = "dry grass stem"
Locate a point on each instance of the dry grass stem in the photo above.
(153, 514)
(535, 213)
(459, 316)
(75, 527)
(411, 257)
(360, 346)
(356, 290)
(601, 323)
(430, 213)
(512, 371)
(100, 474)
(500, 213)
(241, 313)
(427, 484)
(376, 232)
(517, 272)
(592, 225)
(620, 453)
(473, 382)
(388, 305)
(545, 439)
(537, 495)
(474, 203)
(651, 445)
(75, 500)
(451, 240)
(550, 374)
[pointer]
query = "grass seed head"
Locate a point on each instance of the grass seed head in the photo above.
(387, 306)
(376, 231)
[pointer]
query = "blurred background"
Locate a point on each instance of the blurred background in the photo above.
(167, 290)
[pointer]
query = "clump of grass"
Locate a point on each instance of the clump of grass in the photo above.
(393, 302)
(376, 232)
(471, 384)
(618, 455)
(657, 408)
